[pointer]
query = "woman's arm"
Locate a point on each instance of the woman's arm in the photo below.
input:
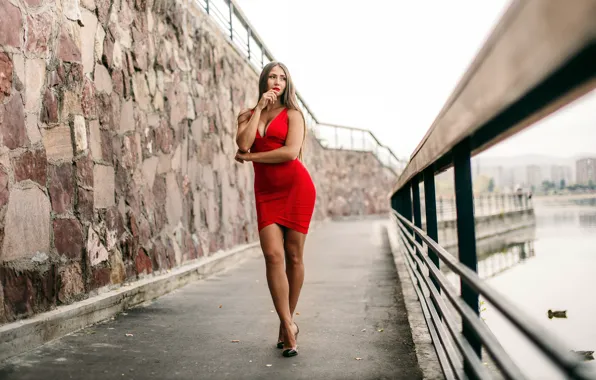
(287, 152)
(247, 128)
(248, 124)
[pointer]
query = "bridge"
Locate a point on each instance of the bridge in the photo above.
(128, 234)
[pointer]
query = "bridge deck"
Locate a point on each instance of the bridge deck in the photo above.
(351, 292)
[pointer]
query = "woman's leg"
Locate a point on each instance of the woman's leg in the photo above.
(272, 244)
(294, 250)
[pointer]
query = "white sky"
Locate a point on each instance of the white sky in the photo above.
(389, 66)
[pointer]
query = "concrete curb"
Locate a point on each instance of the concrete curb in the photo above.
(425, 349)
(24, 335)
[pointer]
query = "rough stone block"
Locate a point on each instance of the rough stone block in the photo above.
(100, 277)
(118, 271)
(143, 263)
(57, 142)
(70, 283)
(103, 81)
(69, 42)
(100, 35)
(88, 40)
(107, 148)
(95, 249)
(71, 9)
(12, 123)
(39, 30)
(31, 165)
(27, 224)
(33, 129)
(4, 191)
(95, 142)
(103, 186)
(11, 25)
(88, 100)
(173, 200)
(118, 83)
(6, 68)
(68, 238)
(150, 170)
(49, 112)
(88, 4)
(85, 171)
(28, 291)
(62, 188)
(80, 134)
(141, 91)
(85, 205)
(71, 105)
(127, 120)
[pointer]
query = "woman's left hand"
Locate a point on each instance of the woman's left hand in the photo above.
(241, 156)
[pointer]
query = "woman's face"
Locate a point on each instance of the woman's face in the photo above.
(277, 80)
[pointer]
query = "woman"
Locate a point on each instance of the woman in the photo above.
(271, 135)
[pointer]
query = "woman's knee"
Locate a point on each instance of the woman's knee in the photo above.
(273, 257)
(293, 253)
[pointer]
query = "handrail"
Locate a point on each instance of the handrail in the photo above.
(501, 94)
(244, 44)
(548, 343)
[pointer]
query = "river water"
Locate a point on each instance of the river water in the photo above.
(553, 267)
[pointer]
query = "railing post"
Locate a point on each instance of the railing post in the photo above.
(336, 138)
(231, 7)
(407, 204)
(416, 209)
(363, 141)
(432, 226)
(466, 235)
(249, 33)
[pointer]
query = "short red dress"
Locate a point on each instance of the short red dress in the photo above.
(285, 193)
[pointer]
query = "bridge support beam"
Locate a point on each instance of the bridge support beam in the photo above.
(466, 235)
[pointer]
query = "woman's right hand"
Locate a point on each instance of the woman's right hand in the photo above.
(269, 97)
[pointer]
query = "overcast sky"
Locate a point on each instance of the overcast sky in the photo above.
(389, 66)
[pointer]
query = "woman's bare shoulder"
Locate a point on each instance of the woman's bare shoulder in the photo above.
(295, 115)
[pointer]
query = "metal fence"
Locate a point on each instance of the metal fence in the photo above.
(484, 205)
(244, 37)
(539, 58)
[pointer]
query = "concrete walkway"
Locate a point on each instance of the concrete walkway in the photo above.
(351, 307)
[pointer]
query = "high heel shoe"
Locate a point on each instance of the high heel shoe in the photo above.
(288, 353)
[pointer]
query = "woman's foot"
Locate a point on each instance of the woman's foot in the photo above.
(290, 341)
(280, 337)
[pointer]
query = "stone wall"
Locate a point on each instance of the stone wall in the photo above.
(117, 125)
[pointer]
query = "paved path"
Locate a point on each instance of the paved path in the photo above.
(351, 292)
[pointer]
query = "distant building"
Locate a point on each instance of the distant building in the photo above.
(586, 170)
(560, 173)
(533, 176)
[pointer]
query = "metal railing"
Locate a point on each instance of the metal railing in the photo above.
(484, 205)
(539, 58)
(243, 36)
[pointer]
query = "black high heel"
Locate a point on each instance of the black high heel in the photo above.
(288, 353)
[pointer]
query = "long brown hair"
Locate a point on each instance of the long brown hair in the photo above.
(288, 99)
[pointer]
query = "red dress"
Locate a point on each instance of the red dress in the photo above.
(284, 192)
